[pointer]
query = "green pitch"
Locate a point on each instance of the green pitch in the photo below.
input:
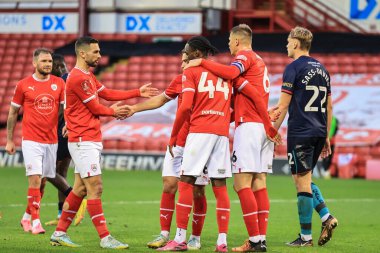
(131, 206)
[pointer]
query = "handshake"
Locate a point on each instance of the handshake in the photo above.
(122, 111)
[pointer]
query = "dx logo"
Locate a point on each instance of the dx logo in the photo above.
(362, 9)
(53, 23)
(137, 23)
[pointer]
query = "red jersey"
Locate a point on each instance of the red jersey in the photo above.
(172, 91)
(253, 69)
(212, 99)
(41, 99)
(82, 125)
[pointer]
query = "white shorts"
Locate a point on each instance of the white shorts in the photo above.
(206, 150)
(86, 157)
(39, 158)
(172, 166)
(252, 151)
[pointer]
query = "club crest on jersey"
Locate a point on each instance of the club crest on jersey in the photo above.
(44, 104)
(86, 87)
(94, 167)
(54, 87)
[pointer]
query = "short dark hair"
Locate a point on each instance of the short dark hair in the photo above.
(58, 57)
(84, 41)
(243, 30)
(41, 50)
(203, 45)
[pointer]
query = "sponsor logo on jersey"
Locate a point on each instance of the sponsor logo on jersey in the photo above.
(221, 171)
(54, 87)
(31, 87)
(44, 104)
(183, 78)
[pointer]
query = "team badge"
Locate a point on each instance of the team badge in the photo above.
(54, 87)
(29, 167)
(183, 78)
(94, 167)
(86, 87)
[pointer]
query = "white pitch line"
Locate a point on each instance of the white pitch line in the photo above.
(155, 202)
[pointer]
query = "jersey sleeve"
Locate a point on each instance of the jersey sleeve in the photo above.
(18, 97)
(288, 79)
(239, 83)
(172, 91)
(84, 91)
(99, 86)
(188, 81)
(328, 85)
(62, 95)
(242, 62)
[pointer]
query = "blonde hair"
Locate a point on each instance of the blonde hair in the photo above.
(304, 36)
(243, 30)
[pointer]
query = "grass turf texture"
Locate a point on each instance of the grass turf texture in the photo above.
(131, 207)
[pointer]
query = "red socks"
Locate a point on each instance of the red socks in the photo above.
(68, 215)
(249, 207)
(222, 208)
(34, 200)
(263, 208)
(199, 215)
(166, 210)
(94, 208)
(184, 204)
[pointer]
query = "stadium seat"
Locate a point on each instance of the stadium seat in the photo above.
(146, 68)
(138, 144)
(124, 145)
(136, 68)
(110, 144)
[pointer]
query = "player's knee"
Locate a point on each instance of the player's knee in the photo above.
(198, 191)
(170, 188)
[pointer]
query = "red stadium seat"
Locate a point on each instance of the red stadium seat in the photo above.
(159, 77)
(159, 67)
(146, 68)
(124, 145)
(120, 76)
(147, 60)
(110, 144)
(346, 69)
(133, 76)
(139, 144)
(146, 77)
(135, 60)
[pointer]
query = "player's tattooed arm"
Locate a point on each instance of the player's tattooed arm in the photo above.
(11, 123)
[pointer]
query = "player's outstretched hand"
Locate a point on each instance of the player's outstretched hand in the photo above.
(120, 111)
(10, 147)
(326, 151)
(193, 63)
(274, 113)
(146, 91)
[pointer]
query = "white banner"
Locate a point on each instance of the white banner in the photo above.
(365, 13)
(160, 23)
(146, 23)
(38, 22)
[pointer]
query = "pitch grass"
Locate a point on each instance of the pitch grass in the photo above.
(131, 204)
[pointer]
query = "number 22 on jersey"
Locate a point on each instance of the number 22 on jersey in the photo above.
(208, 86)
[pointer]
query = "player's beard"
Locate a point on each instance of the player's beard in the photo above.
(44, 72)
(92, 63)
